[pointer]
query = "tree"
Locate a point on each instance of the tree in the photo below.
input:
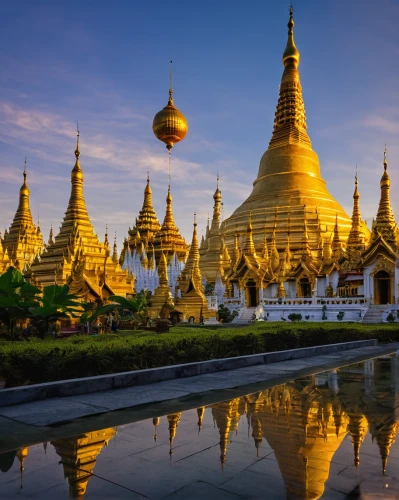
(56, 303)
(135, 307)
(17, 298)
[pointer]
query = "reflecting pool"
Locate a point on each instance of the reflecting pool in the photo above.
(328, 435)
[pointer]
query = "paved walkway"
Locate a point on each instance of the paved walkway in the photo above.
(60, 417)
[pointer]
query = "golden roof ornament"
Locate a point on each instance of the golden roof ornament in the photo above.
(385, 220)
(24, 191)
(291, 53)
(170, 125)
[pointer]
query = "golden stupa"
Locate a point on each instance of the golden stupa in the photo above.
(76, 256)
(170, 125)
(289, 185)
(23, 241)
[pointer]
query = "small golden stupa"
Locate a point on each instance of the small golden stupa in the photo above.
(170, 125)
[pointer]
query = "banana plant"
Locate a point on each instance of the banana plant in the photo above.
(55, 303)
(17, 298)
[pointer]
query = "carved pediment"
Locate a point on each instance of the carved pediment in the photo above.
(384, 265)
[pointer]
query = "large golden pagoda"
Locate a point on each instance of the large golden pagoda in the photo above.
(76, 256)
(289, 181)
(23, 241)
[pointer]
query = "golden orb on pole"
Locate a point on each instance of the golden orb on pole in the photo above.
(170, 125)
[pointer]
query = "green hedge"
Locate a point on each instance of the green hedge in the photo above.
(43, 361)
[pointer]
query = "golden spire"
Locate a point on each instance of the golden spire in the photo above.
(386, 436)
(385, 220)
(291, 53)
(265, 251)
(356, 236)
(173, 422)
(155, 422)
(169, 238)
(357, 428)
(77, 210)
(281, 290)
(305, 238)
(274, 255)
(50, 239)
(319, 241)
(147, 223)
(170, 125)
(23, 241)
(216, 209)
(106, 241)
(23, 210)
(249, 248)
(237, 250)
(163, 271)
(200, 413)
(193, 255)
(290, 121)
(336, 246)
(169, 220)
(115, 253)
(21, 454)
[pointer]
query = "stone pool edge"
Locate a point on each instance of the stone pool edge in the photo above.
(87, 385)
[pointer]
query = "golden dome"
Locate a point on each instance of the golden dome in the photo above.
(170, 125)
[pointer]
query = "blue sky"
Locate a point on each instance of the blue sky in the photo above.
(106, 64)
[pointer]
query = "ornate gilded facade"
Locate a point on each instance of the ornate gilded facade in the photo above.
(76, 256)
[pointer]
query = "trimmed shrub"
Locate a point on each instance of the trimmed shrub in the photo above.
(50, 360)
(295, 317)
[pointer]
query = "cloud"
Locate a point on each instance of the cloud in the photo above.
(383, 124)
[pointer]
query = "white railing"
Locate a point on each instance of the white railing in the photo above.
(315, 301)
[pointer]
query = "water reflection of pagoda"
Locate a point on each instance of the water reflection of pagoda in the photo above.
(306, 421)
(78, 457)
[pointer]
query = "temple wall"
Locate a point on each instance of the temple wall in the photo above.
(321, 286)
(353, 312)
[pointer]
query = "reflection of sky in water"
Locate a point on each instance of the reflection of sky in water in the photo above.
(323, 435)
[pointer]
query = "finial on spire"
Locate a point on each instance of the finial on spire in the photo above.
(356, 175)
(77, 152)
(217, 180)
(385, 158)
(195, 218)
(25, 169)
(171, 80)
(291, 53)
(291, 19)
